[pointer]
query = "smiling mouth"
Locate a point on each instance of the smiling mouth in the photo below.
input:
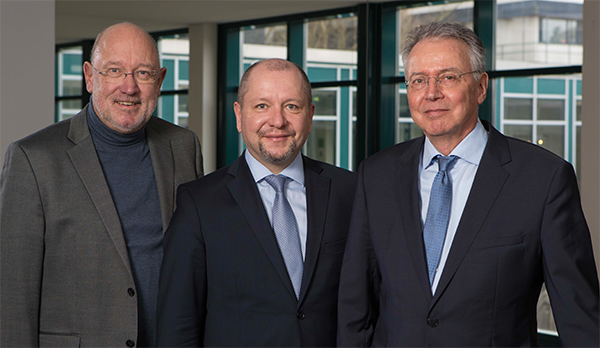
(127, 103)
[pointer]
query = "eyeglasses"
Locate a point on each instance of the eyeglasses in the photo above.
(140, 76)
(447, 80)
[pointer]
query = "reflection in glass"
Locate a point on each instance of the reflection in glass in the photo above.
(518, 109)
(264, 42)
(411, 17)
(523, 132)
(325, 102)
(533, 34)
(331, 48)
(552, 138)
(550, 109)
(321, 144)
(407, 131)
(67, 108)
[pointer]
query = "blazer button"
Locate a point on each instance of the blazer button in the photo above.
(130, 343)
(131, 293)
(432, 322)
(300, 315)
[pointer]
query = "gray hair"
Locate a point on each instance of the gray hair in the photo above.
(448, 31)
(274, 65)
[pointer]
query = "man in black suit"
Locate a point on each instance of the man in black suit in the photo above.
(246, 264)
(454, 233)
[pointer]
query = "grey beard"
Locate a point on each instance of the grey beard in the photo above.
(271, 158)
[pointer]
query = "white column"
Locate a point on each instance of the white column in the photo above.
(202, 99)
(590, 130)
(26, 67)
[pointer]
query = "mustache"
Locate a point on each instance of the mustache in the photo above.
(264, 133)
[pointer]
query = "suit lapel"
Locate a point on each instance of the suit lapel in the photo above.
(408, 178)
(317, 201)
(488, 183)
(162, 162)
(85, 160)
(244, 191)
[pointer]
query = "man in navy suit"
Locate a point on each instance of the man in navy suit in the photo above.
(460, 260)
(237, 271)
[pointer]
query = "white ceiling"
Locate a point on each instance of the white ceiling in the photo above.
(84, 19)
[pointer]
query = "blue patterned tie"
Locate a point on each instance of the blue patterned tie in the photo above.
(438, 213)
(286, 231)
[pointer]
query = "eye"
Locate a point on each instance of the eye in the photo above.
(113, 71)
(418, 81)
(292, 107)
(449, 78)
(143, 73)
(261, 106)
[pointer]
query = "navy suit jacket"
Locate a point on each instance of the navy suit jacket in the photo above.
(522, 226)
(223, 279)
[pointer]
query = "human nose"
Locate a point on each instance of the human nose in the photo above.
(277, 118)
(432, 90)
(129, 84)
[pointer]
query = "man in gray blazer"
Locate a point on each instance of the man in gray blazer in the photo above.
(84, 204)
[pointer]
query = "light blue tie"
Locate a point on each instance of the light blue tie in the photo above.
(286, 232)
(438, 213)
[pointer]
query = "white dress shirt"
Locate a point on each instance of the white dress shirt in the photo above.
(462, 174)
(294, 191)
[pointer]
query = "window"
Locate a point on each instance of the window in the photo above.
(71, 95)
(325, 46)
(174, 50)
(69, 82)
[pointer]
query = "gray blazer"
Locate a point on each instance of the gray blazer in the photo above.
(66, 280)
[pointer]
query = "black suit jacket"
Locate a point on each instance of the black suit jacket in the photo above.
(223, 280)
(522, 225)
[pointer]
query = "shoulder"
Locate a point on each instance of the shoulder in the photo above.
(331, 171)
(171, 131)
(524, 156)
(404, 151)
(213, 182)
(49, 139)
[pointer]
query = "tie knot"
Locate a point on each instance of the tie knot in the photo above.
(446, 162)
(276, 181)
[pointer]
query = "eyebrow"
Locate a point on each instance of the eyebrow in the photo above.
(441, 72)
(142, 65)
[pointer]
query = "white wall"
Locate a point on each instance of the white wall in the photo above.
(26, 68)
(202, 97)
(590, 130)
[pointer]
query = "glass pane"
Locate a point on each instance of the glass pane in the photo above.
(578, 150)
(331, 48)
(533, 34)
(66, 109)
(518, 109)
(69, 70)
(523, 132)
(174, 53)
(552, 138)
(578, 112)
(325, 102)
(183, 103)
(264, 42)
(410, 17)
(550, 109)
(321, 143)
(182, 122)
(407, 131)
(544, 312)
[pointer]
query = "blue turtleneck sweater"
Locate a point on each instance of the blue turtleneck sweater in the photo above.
(128, 170)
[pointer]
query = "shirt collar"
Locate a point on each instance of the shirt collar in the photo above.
(469, 149)
(294, 171)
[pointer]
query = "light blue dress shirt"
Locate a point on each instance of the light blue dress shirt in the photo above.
(294, 191)
(462, 174)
